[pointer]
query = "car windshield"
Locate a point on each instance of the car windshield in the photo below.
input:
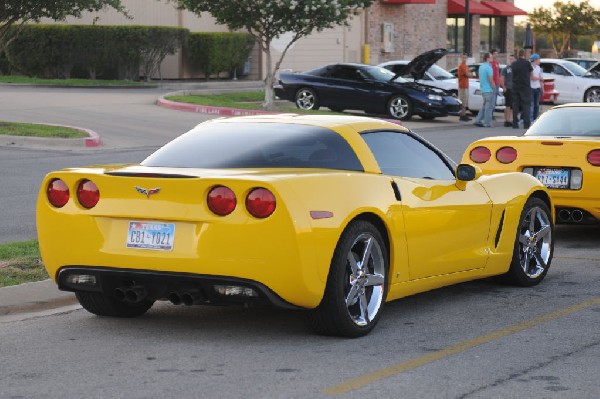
(440, 73)
(257, 145)
(575, 69)
(567, 121)
(382, 75)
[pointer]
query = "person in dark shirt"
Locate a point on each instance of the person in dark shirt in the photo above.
(521, 92)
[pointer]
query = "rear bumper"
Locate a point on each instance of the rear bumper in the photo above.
(195, 289)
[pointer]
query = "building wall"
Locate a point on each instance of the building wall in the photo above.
(413, 29)
(416, 28)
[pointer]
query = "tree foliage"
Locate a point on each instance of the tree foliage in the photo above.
(19, 12)
(266, 20)
(564, 22)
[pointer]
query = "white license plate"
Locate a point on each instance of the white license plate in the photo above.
(553, 177)
(151, 235)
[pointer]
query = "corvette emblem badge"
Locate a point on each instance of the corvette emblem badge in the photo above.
(147, 191)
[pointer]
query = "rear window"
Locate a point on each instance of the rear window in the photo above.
(568, 121)
(257, 145)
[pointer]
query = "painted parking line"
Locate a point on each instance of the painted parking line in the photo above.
(398, 368)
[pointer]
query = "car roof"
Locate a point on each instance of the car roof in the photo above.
(578, 105)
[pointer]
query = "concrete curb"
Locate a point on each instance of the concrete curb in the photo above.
(206, 109)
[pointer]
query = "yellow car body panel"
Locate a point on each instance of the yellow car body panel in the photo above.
(437, 232)
(550, 152)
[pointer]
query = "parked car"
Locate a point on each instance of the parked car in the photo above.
(585, 63)
(573, 82)
(368, 88)
(330, 214)
(550, 93)
(561, 149)
(423, 70)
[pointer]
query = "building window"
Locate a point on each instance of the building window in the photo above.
(492, 34)
(455, 37)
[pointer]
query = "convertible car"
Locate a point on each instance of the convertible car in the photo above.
(561, 149)
(332, 215)
(368, 88)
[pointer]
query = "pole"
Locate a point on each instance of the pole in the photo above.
(467, 28)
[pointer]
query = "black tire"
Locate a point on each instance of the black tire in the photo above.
(307, 99)
(104, 305)
(534, 245)
(592, 95)
(400, 107)
(355, 294)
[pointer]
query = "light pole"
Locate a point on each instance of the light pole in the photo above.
(467, 28)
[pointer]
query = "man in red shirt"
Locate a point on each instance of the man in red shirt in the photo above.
(463, 86)
(496, 69)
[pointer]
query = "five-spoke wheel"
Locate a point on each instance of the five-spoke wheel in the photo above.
(534, 244)
(356, 287)
(400, 107)
(307, 99)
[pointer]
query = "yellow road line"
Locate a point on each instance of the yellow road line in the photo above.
(370, 378)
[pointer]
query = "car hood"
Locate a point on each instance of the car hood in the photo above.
(422, 88)
(421, 63)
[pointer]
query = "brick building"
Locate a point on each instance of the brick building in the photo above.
(388, 30)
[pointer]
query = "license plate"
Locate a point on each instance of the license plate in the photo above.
(151, 235)
(553, 177)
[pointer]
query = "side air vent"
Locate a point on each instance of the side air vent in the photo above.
(500, 226)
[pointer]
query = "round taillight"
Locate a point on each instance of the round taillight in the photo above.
(58, 193)
(593, 157)
(260, 202)
(506, 155)
(221, 200)
(88, 194)
(480, 154)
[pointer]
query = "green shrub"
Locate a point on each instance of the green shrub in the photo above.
(213, 53)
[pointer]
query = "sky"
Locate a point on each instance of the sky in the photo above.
(529, 5)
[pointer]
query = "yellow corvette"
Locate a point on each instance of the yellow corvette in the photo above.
(334, 215)
(561, 149)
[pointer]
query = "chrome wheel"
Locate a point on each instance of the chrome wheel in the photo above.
(592, 95)
(366, 278)
(534, 245)
(535, 242)
(400, 107)
(306, 99)
(356, 286)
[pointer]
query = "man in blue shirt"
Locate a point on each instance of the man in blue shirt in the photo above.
(488, 88)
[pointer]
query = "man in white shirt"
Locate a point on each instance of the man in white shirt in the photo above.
(537, 86)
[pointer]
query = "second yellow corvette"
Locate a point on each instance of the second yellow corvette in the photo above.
(561, 149)
(334, 215)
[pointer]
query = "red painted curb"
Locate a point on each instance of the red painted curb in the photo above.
(206, 109)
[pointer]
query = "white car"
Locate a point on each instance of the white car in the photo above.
(422, 69)
(574, 83)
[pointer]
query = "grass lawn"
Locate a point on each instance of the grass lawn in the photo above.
(66, 82)
(38, 130)
(20, 263)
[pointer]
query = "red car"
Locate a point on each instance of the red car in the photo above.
(550, 93)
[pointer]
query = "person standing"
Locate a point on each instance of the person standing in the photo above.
(521, 93)
(506, 84)
(487, 86)
(496, 68)
(537, 86)
(464, 74)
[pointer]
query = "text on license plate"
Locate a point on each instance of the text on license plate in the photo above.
(151, 235)
(553, 177)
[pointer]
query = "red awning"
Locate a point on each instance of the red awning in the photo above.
(410, 1)
(503, 9)
(457, 7)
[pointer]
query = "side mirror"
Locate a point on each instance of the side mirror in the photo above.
(466, 173)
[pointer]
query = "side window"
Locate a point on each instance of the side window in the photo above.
(560, 70)
(348, 73)
(402, 154)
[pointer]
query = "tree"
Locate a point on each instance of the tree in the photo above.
(266, 20)
(564, 22)
(18, 12)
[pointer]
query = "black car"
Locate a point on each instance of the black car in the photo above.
(364, 87)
